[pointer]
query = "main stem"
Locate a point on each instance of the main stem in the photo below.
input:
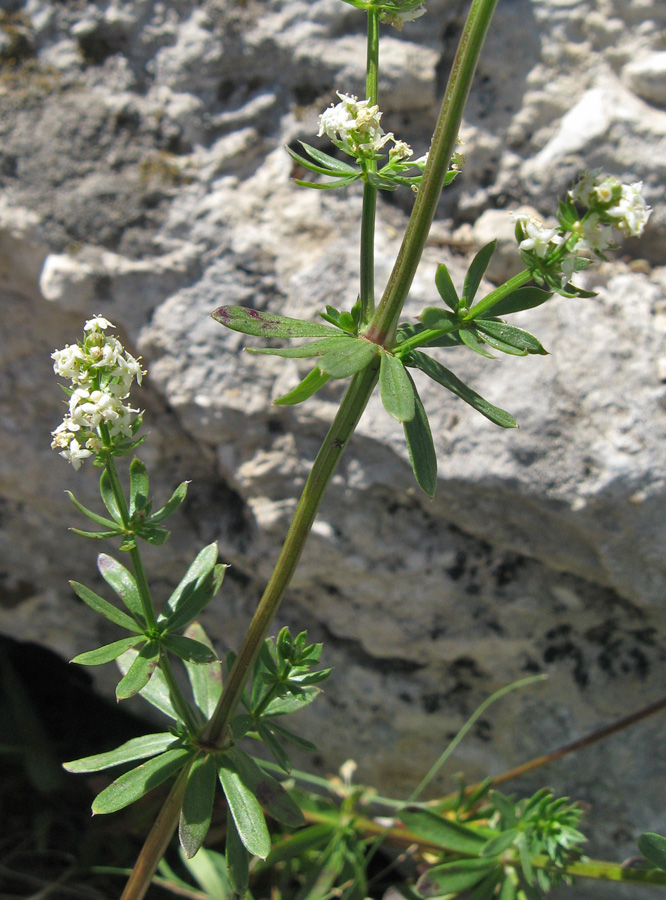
(367, 266)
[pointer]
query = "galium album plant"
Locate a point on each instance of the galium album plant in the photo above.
(477, 843)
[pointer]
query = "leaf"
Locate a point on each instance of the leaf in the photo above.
(269, 325)
(500, 843)
(420, 447)
(328, 185)
(282, 706)
(269, 792)
(138, 486)
(485, 889)
(236, 857)
(156, 691)
(192, 585)
(205, 680)
(295, 739)
(134, 784)
(209, 869)
(97, 535)
(509, 334)
(106, 653)
(316, 348)
(356, 354)
(476, 272)
(122, 582)
(109, 497)
(106, 609)
(469, 338)
(653, 848)
(336, 165)
(312, 382)
(443, 832)
(447, 379)
(445, 287)
(433, 318)
(245, 809)
(188, 649)
(520, 299)
(197, 808)
(140, 672)
(452, 877)
(101, 520)
(171, 505)
(274, 746)
(137, 748)
(396, 388)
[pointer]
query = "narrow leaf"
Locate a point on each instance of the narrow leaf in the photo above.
(109, 498)
(205, 680)
(433, 318)
(137, 748)
(138, 486)
(500, 843)
(442, 831)
(469, 338)
(282, 706)
(97, 535)
(355, 355)
(106, 609)
(101, 520)
(477, 271)
(337, 165)
(445, 287)
(316, 348)
(447, 379)
(295, 739)
(328, 185)
(171, 505)
(197, 808)
(653, 848)
(396, 388)
(188, 649)
(520, 299)
(277, 750)
(269, 792)
(210, 871)
(312, 382)
(450, 878)
(156, 691)
(106, 653)
(420, 447)
(509, 334)
(269, 325)
(191, 585)
(134, 784)
(236, 858)
(310, 165)
(140, 672)
(122, 582)
(245, 809)
(497, 344)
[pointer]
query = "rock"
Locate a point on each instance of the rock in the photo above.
(646, 77)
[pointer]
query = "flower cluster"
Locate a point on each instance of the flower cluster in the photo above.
(610, 205)
(101, 373)
(398, 17)
(354, 127)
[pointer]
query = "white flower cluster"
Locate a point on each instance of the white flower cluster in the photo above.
(354, 126)
(539, 239)
(101, 373)
(611, 205)
(398, 19)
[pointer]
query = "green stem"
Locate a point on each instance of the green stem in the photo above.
(346, 420)
(179, 701)
(605, 871)
(367, 256)
(383, 326)
(498, 294)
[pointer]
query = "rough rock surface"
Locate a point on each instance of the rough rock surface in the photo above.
(144, 177)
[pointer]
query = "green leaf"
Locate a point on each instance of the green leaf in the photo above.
(210, 871)
(134, 784)
(316, 348)
(330, 162)
(269, 325)
(452, 877)
(171, 505)
(445, 287)
(269, 792)
(245, 809)
(653, 848)
(283, 706)
(485, 889)
(138, 486)
(508, 889)
(500, 843)
(192, 590)
(154, 536)
(205, 680)
(421, 447)
(447, 379)
(277, 750)
(106, 653)
(477, 271)
(140, 672)
(156, 691)
(434, 318)
(106, 609)
(520, 299)
(188, 649)
(122, 582)
(197, 809)
(137, 748)
(509, 334)
(295, 739)
(469, 338)
(328, 185)
(109, 498)
(312, 382)
(236, 857)
(396, 388)
(101, 520)
(354, 355)
(98, 535)
(525, 860)
(442, 831)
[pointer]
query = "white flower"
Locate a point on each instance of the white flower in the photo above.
(539, 239)
(631, 212)
(68, 363)
(398, 19)
(595, 235)
(98, 323)
(354, 124)
(567, 267)
(400, 151)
